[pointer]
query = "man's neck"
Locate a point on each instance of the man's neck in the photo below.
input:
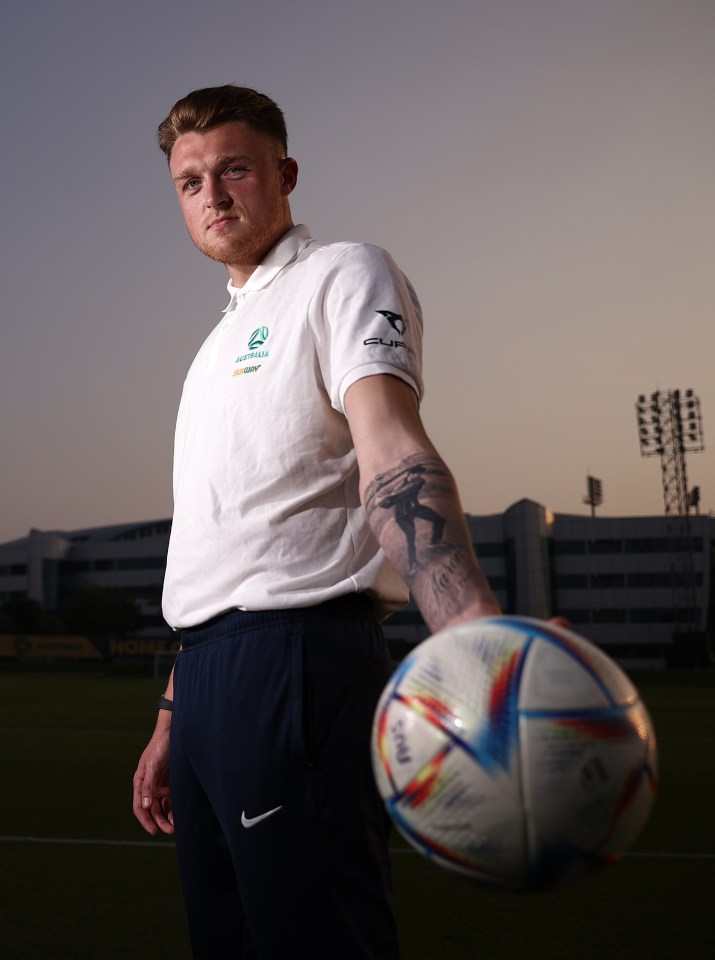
(241, 272)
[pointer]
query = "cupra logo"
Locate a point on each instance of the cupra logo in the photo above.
(395, 320)
(258, 338)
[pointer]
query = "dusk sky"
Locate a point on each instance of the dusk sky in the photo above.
(542, 170)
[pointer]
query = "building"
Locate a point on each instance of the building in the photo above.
(46, 566)
(623, 582)
(640, 587)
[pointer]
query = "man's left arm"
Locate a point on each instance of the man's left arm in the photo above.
(412, 503)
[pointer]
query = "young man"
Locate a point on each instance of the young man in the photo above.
(308, 500)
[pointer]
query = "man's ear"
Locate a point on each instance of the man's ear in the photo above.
(289, 175)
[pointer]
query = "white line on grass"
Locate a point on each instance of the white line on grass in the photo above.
(169, 845)
(81, 841)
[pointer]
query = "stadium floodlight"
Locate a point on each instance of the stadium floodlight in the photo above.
(669, 426)
(594, 493)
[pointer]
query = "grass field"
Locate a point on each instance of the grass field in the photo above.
(78, 878)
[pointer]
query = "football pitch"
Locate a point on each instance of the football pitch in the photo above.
(79, 878)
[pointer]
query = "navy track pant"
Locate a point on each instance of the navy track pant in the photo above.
(280, 833)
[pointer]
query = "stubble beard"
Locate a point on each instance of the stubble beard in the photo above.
(247, 249)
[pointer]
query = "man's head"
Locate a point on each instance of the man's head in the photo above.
(227, 157)
(203, 109)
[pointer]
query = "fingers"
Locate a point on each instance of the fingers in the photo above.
(151, 804)
(161, 813)
(154, 813)
(142, 801)
(151, 799)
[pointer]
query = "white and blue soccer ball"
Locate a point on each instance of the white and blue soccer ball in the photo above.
(515, 752)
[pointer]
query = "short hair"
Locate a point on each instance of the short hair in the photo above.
(204, 109)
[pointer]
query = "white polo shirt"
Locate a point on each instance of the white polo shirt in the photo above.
(267, 513)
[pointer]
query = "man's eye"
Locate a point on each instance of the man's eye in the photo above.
(235, 170)
(191, 184)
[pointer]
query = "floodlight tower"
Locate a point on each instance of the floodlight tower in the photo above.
(594, 493)
(669, 426)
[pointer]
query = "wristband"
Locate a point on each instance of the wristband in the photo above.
(163, 703)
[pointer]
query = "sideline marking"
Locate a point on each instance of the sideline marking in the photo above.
(170, 845)
(157, 844)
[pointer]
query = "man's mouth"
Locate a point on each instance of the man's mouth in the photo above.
(219, 221)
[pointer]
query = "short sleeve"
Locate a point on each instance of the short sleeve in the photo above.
(368, 321)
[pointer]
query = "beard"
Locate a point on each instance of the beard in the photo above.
(248, 245)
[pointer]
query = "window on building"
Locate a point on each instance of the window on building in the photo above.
(605, 546)
(490, 549)
(569, 547)
(141, 563)
(651, 615)
(609, 616)
(75, 566)
(161, 528)
(604, 581)
(571, 581)
(663, 580)
(663, 545)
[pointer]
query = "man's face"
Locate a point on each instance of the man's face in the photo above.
(233, 186)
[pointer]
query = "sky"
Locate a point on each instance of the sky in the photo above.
(542, 171)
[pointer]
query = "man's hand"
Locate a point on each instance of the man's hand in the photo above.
(152, 795)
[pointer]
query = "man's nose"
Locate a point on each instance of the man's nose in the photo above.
(216, 194)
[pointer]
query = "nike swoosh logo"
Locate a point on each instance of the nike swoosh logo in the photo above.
(252, 821)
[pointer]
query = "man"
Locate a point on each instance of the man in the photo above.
(307, 501)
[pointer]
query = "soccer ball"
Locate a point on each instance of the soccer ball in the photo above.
(515, 752)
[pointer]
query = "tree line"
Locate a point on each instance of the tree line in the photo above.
(84, 611)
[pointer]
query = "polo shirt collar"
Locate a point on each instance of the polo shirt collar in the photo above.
(286, 250)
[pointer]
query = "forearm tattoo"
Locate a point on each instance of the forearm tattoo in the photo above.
(415, 512)
(398, 493)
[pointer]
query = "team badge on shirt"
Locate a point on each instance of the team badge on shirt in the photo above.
(257, 339)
